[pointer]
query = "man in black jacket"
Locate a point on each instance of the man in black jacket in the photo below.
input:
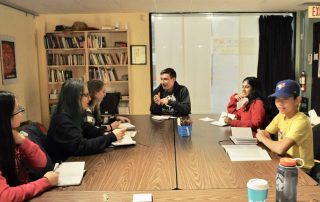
(170, 98)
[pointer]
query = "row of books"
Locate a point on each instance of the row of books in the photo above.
(59, 75)
(65, 59)
(104, 74)
(96, 41)
(53, 41)
(118, 58)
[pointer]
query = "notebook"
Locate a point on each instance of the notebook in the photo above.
(127, 139)
(221, 122)
(128, 126)
(242, 135)
(246, 153)
(70, 173)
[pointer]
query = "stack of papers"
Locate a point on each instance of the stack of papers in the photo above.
(128, 126)
(246, 153)
(127, 139)
(221, 122)
(242, 135)
(70, 173)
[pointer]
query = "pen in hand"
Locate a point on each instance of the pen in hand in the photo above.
(56, 166)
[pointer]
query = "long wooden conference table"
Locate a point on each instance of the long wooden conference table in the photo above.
(173, 168)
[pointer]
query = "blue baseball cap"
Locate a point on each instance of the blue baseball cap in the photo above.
(286, 88)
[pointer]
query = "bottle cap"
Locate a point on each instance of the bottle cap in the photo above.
(288, 162)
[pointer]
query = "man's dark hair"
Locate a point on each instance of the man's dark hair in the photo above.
(169, 71)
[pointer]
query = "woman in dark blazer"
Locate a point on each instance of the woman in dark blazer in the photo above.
(68, 135)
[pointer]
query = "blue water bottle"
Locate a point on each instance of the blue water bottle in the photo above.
(287, 180)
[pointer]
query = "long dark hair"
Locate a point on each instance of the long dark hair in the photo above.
(256, 92)
(94, 86)
(7, 144)
(70, 100)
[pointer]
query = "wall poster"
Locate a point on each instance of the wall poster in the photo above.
(8, 59)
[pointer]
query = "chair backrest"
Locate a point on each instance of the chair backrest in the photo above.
(316, 141)
(110, 103)
(37, 134)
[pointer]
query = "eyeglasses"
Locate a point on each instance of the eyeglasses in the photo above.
(85, 94)
(20, 110)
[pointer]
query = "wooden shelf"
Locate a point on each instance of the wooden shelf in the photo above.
(108, 49)
(61, 66)
(113, 56)
(111, 66)
(65, 49)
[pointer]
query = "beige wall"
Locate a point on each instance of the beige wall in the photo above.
(17, 24)
(138, 25)
(304, 46)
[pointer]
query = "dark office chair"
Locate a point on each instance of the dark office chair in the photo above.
(315, 171)
(37, 134)
(110, 103)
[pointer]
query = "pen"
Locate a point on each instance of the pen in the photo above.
(56, 166)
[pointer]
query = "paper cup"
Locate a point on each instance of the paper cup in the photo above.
(257, 190)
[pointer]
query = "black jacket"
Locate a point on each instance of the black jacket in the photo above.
(65, 139)
(179, 101)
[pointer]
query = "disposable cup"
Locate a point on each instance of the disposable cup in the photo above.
(257, 190)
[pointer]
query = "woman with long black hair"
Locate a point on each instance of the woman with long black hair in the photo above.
(253, 111)
(17, 153)
(68, 135)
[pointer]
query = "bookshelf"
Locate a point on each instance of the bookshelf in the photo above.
(96, 54)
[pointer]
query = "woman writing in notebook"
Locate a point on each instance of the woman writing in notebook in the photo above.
(68, 135)
(92, 114)
(252, 112)
(17, 153)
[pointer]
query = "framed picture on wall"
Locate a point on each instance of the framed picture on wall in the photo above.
(8, 59)
(138, 54)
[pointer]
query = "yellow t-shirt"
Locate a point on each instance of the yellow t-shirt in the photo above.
(297, 128)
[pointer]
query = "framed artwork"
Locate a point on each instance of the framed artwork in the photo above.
(138, 54)
(8, 59)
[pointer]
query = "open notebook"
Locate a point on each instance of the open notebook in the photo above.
(242, 135)
(246, 153)
(127, 139)
(221, 122)
(128, 126)
(70, 173)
